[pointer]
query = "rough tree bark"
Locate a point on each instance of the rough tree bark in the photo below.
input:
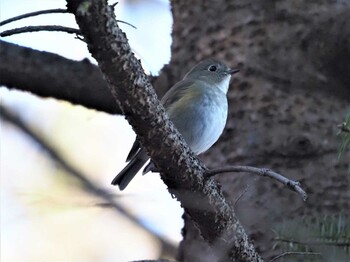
(292, 92)
(181, 171)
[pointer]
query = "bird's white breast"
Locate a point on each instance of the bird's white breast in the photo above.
(201, 118)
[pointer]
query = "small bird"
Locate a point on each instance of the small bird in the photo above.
(197, 105)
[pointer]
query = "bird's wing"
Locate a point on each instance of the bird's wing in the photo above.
(176, 92)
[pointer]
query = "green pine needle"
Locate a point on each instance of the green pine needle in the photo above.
(328, 235)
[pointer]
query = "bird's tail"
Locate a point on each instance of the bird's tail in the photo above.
(127, 174)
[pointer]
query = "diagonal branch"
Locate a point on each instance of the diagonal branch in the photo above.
(50, 11)
(50, 75)
(30, 29)
(181, 170)
(41, 12)
(88, 186)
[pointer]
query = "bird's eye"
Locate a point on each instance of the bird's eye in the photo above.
(212, 68)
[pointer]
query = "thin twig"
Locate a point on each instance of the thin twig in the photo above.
(113, 5)
(343, 128)
(87, 185)
(123, 22)
(29, 29)
(50, 11)
(41, 12)
(314, 243)
(242, 194)
(293, 185)
(294, 253)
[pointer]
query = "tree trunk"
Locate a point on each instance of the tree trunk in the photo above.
(285, 104)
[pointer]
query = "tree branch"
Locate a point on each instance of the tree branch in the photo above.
(30, 29)
(317, 242)
(50, 75)
(293, 254)
(48, 11)
(87, 185)
(182, 171)
(293, 185)
(41, 12)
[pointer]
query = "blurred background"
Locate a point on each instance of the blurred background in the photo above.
(48, 213)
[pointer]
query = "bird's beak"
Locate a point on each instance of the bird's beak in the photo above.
(232, 71)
